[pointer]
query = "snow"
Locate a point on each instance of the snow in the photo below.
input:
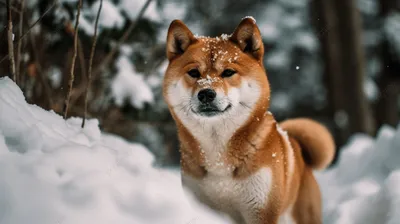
(292, 41)
(364, 187)
(392, 30)
(130, 85)
(282, 132)
(155, 80)
(280, 101)
(132, 8)
(174, 10)
(86, 26)
(373, 67)
(269, 31)
(371, 90)
(341, 118)
(126, 49)
(369, 7)
(306, 41)
(69, 1)
(371, 38)
(249, 17)
(294, 4)
(55, 76)
(110, 16)
(52, 171)
(277, 59)
(112, 13)
(292, 22)
(31, 3)
(208, 81)
(269, 22)
(225, 36)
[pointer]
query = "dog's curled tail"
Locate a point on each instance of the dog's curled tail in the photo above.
(318, 146)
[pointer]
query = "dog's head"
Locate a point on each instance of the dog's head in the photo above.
(210, 79)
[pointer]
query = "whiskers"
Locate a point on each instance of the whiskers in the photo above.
(184, 106)
(245, 105)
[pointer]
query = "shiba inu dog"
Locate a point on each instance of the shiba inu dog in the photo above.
(235, 157)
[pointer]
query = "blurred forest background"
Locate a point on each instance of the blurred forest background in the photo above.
(337, 61)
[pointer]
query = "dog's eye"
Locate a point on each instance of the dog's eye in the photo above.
(227, 73)
(194, 73)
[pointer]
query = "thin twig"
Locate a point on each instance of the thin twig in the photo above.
(94, 41)
(124, 37)
(79, 90)
(33, 25)
(19, 44)
(72, 76)
(10, 38)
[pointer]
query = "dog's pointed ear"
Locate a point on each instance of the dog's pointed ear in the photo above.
(179, 39)
(248, 37)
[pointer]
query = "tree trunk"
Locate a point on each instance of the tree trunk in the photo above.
(326, 27)
(353, 65)
(338, 26)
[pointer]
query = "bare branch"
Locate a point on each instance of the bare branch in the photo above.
(80, 89)
(94, 41)
(72, 76)
(33, 25)
(125, 36)
(19, 44)
(10, 39)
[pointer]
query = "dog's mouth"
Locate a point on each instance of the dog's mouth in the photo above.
(209, 110)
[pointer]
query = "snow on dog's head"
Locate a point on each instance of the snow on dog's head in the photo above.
(213, 79)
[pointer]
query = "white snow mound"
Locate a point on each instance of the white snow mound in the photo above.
(364, 187)
(54, 172)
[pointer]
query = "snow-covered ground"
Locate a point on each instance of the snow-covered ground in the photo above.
(54, 172)
(364, 187)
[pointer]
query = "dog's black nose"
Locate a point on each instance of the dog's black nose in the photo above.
(206, 95)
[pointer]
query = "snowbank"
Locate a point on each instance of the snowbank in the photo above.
(54, 172)
(364, 187)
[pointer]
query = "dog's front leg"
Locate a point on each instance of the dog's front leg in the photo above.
(269, 215)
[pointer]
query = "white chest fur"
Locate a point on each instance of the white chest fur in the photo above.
(239, 198)
(218, 189)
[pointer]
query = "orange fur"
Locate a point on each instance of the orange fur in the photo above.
(316, 140)
(250, 143)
